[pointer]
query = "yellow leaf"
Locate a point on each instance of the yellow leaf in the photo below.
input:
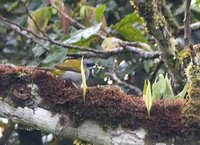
(144, 88)
(110, 43)
(84, 84)
(41, 17)
(147, 96)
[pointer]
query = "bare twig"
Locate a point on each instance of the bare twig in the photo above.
(187, 31)
(114, 76)
(194, 27)
(69, 18)
(35, 23)
(125, 49)
(141, 53)
(68, 46)
(153, 75)
(25, 34)
(88, 52)
(141, 45)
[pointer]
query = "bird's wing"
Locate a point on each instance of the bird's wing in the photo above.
(70, 65)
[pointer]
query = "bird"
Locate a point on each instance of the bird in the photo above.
(70, 70)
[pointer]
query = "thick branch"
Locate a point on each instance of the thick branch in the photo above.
(171, 21)
(44, 120)
(106, 105)
(158, 27)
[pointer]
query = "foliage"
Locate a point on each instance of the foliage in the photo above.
(128, 30)
(147, 95)
(100, 25)
(84, 84)
(39, 19)
(161, 88)
(83, 34)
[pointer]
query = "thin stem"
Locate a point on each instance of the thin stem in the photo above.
(187, 30)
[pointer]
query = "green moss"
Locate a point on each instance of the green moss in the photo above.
(193, 75)
(191, 112)
(159, 21)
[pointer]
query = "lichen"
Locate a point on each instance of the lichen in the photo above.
(191, 112)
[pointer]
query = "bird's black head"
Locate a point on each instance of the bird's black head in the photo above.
(89, 63)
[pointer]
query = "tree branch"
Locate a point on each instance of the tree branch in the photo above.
(187, 31)
(171, 21)
(108, 106)
(114, 77)
(76, 23)
(194, 27)
(158, 27)
(87, 52)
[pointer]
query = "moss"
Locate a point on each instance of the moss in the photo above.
(193, 75)
(191, 116)
(191, 112)
(107, 105)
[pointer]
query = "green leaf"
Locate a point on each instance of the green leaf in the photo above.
(99, 13)
(147, 96)
(84, 84)
(110, 43)
(162, 87)
(41, 17)
(182, 94)
(159, 87)
(86, 33)
(128, 30)
(145, 87)
(38, 50)
(55, 56)
(168, 91)
(87, 14)
(85, 42)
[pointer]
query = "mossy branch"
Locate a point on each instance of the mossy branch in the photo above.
(108, 106)
(157, 25)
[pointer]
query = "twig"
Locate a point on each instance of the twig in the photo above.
(194, 27)
(68, 46)
(141, 45)
(88, 52)
(35, 23)
(125, 49)
(141, 53)
(187, 31)
(153, 75)
(25, 34)
(69, 18)
(136, 90)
